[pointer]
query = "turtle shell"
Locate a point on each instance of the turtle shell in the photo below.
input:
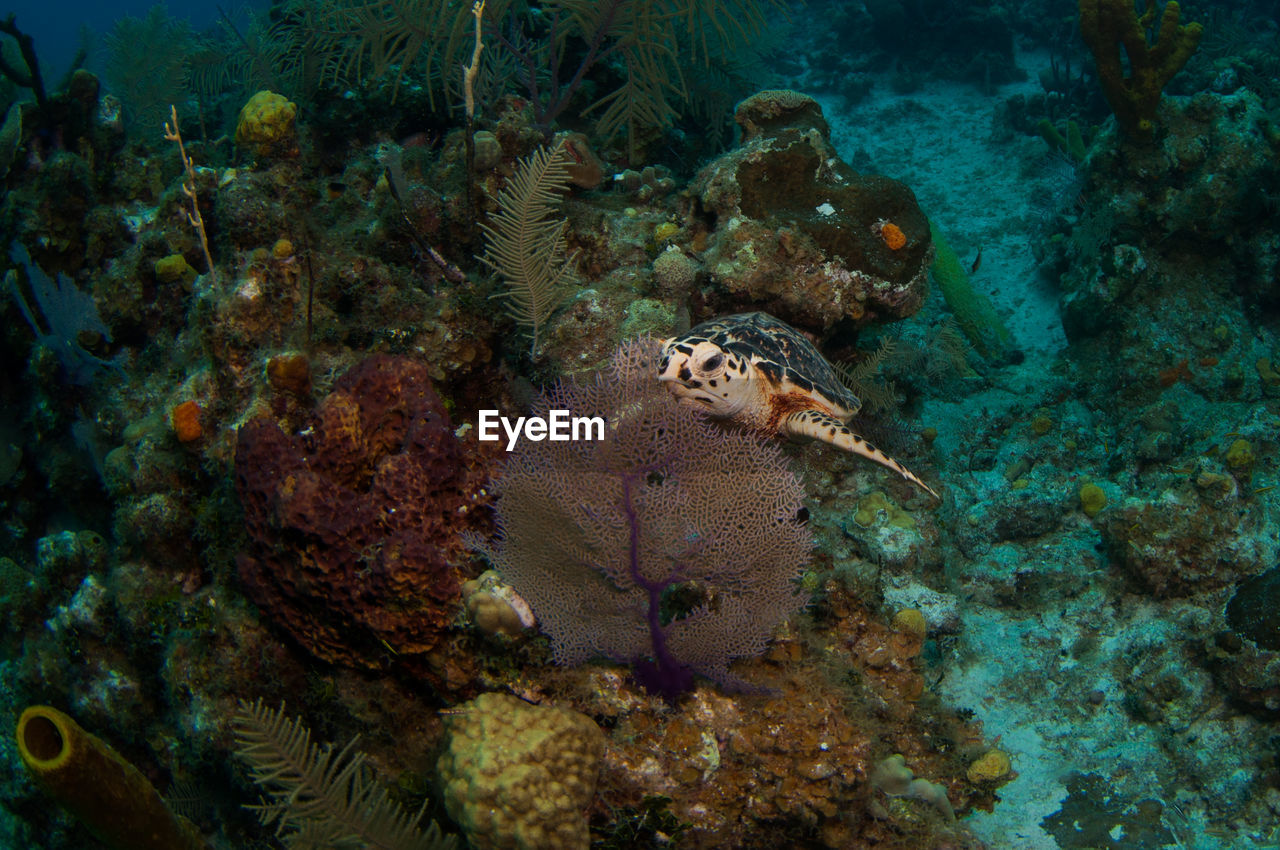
(781, 353)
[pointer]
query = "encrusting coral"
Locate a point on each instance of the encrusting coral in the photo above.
(1108, 26)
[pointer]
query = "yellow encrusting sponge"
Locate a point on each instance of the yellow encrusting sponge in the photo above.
(95, 783)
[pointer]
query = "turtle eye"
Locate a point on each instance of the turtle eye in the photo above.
(713, 362)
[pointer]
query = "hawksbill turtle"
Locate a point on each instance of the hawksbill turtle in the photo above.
(760, 373)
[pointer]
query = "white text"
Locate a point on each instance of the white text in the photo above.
(557, 425)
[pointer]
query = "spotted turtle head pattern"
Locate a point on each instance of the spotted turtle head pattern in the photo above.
(763, 374)
(730, 364)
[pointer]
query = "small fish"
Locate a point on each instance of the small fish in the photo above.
(977, 262)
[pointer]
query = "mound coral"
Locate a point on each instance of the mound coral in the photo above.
(520, 775)
(266, 125)
(1092, 499)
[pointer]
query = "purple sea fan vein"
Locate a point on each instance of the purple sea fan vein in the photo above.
(593, 534)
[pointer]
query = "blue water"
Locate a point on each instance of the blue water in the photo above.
(1013, 586)
(58, 27)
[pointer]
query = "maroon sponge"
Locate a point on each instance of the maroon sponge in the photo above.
(354, 523)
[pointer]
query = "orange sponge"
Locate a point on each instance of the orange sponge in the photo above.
(186, 422)
(893, 236)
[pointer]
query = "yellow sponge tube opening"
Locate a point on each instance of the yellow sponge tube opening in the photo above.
(98, 786)
(43, 738)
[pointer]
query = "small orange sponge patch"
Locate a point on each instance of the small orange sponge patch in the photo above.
(186, 422)
(891, 234)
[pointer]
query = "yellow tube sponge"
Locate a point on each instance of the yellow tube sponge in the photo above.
(93, 782)
(1133, 88)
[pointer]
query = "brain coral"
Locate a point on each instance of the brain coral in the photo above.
(266, 124)
(770, 108)
(520, 776)
(674, 272)
(353, 522)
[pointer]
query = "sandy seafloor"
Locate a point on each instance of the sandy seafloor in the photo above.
(986, 188)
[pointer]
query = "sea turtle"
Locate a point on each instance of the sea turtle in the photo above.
(762, 374)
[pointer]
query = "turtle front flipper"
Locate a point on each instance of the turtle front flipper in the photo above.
(823, 426)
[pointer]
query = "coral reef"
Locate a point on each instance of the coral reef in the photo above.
(798, 233)
(1183, 541)
(1118, 252)
(740, 770)
(1078, 642)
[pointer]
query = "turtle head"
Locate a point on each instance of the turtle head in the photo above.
(703, 374)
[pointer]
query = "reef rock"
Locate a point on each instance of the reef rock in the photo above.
(1181, 543)
(1188, 217)
(794, 231)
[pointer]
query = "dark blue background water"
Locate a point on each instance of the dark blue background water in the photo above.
(56, 25)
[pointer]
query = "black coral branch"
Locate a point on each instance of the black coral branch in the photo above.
(525, 241)
(319, 797)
